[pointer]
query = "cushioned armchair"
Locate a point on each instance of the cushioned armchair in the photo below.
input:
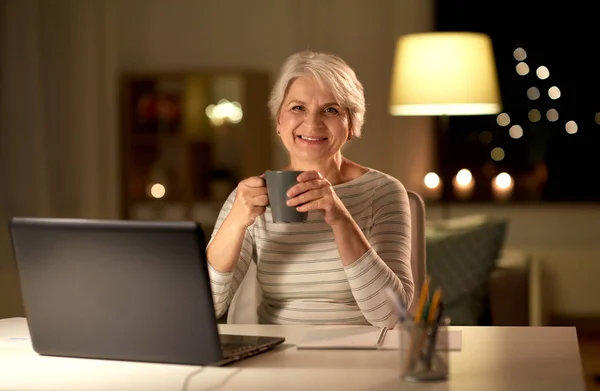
(517, 290)
(484, 283)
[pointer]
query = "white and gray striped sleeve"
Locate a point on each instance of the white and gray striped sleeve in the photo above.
(387, 262)
(224, 285)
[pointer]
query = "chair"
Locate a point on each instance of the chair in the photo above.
(244, 305)
(418, 255)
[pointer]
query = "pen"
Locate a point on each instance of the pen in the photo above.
(381, 337)
(401, 312)
(433, 338)
(433, 311)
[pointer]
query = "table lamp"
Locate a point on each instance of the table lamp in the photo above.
(443, 74)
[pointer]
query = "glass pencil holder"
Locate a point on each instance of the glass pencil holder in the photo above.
(424, 353)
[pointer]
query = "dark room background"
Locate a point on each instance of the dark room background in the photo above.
(552, 153)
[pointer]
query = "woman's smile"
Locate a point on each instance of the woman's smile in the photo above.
(311, 140)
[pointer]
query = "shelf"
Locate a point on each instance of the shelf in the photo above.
(195, 160)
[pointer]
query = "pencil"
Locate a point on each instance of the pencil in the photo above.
(433, 338)
(381, 337)
(422, 299)
(435, 301)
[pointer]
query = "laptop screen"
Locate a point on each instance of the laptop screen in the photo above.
(127, 290)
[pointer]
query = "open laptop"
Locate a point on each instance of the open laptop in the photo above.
(123, 290)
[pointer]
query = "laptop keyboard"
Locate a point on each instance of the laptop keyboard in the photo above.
(241, 346)
(232, 348)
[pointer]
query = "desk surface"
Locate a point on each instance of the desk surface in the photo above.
(492, 358)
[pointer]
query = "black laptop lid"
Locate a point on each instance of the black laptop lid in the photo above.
(126, 290)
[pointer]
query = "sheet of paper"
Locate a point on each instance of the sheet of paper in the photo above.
(13, 327)
(15, 343)
(366, 338)
(341, 338)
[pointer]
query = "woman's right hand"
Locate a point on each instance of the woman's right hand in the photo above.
(251, 201)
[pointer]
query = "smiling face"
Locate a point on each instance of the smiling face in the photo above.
(312, 125)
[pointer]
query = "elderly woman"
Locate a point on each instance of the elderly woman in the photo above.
(332, 269)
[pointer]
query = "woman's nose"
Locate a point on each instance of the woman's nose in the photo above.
(314, 119)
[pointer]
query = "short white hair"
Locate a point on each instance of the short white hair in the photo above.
(338, 75)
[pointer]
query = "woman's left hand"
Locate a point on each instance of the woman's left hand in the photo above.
(313, 192)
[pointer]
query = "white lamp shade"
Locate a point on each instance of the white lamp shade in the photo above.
(444, 73)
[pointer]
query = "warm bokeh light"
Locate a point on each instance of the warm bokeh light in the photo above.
(554, 92)
(497, 154)
(157, 190)
(515, 131)
(432, 180)
(542, 72)
(503, 119)
(433, 186)
(522, 68)
(552, 115)
(502, 186)
(503, 180)
(519, 54)
(464, 177)
(571, 127)
(224, 111)
(463, 184)
(534, 115)
(533, 93)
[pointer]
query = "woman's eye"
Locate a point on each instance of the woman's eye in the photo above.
(331, 110)
(297, 108)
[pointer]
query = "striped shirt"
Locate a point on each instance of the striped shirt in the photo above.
(299, 267)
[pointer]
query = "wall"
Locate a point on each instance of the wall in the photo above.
(58, 138)
(157, 34)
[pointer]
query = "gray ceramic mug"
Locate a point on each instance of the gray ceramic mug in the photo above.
(278, 183)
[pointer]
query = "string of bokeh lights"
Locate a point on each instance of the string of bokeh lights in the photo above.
(533, 93)
(502, 184)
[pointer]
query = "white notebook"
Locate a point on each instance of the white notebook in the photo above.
(365, 337)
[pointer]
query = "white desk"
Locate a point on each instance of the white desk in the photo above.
(492, 358)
